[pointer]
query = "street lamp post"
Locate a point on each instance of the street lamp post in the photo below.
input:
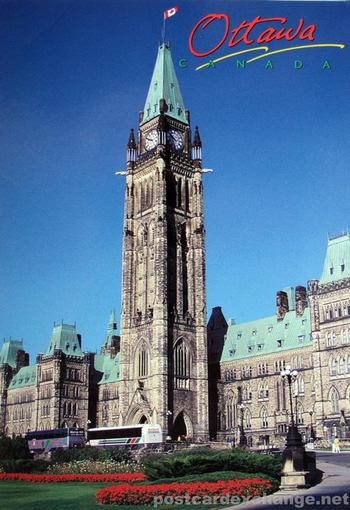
(311, 428)
(293, 436)
(242, 437)
(294, 458)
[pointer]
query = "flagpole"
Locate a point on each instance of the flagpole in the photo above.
(167, 14)
(163, 34)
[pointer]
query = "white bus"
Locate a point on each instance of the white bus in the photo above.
(142, 434)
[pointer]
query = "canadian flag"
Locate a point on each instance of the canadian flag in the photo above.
(170, 12)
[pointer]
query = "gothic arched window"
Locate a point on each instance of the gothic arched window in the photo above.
(248, 418)
(300, 412)
(182, 362)
(333, 367)
(334, 398)
(264, 420)
(230, 412)
(142, 360)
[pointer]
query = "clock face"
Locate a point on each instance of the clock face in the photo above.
(151, 140)
(175, 139)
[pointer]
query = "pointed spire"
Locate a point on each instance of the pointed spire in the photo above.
(131, 151)
(164, 85)
(111, 343)
(196, 145)
(112, 323)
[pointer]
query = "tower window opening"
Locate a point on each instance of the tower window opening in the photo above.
(182, 361)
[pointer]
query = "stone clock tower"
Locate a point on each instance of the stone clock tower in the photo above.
(163, 350)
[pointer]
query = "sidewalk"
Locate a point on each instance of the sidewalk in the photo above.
(332, 493)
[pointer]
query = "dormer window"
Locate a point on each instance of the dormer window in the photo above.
(250, 348)
(259, 347)
(239, 335)
(232, 352)
(279, 343)
(331, 270)
(269, 329)
(342, 267)
(254, 332)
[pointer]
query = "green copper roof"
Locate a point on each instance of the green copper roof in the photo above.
(64, 337)
(110, 369)
(164, 85)
(337, 262)
(25, 377)
(111, 329)
(9, 350)
(266, 336)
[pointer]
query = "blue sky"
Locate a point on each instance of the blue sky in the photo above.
(74, 76)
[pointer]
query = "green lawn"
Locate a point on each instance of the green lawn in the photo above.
(16, 495)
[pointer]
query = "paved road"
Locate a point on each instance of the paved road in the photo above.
(332, 493)
(341, 459)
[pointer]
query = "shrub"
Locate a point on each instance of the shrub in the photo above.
(14, 448)
(215, 477)
(62, 456)
(24, 465)
(206, 461)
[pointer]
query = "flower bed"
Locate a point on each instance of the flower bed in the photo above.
(92, 466)
(127, 494)
(77, 477)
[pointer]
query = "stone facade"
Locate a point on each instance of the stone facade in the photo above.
(314, 340)
(168, 366)
(163, 355)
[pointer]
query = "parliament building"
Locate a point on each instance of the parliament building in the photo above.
(200, 379)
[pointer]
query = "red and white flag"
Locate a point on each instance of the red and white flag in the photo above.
(170, 12)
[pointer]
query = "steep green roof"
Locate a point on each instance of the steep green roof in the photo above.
(64, 337)
(110, 369)
(9, 350)
(25, 377)
(266, 336)
(337, 262)
(164, 85)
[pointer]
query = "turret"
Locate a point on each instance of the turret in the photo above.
(196, 152)
(131, 151)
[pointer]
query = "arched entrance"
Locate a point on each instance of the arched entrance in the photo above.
(136, 415)
(182, 427)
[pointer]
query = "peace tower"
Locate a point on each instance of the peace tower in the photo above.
(163, 349)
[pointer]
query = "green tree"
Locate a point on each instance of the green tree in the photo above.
(13, 448)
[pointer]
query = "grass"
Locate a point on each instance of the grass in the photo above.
(15, 495)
